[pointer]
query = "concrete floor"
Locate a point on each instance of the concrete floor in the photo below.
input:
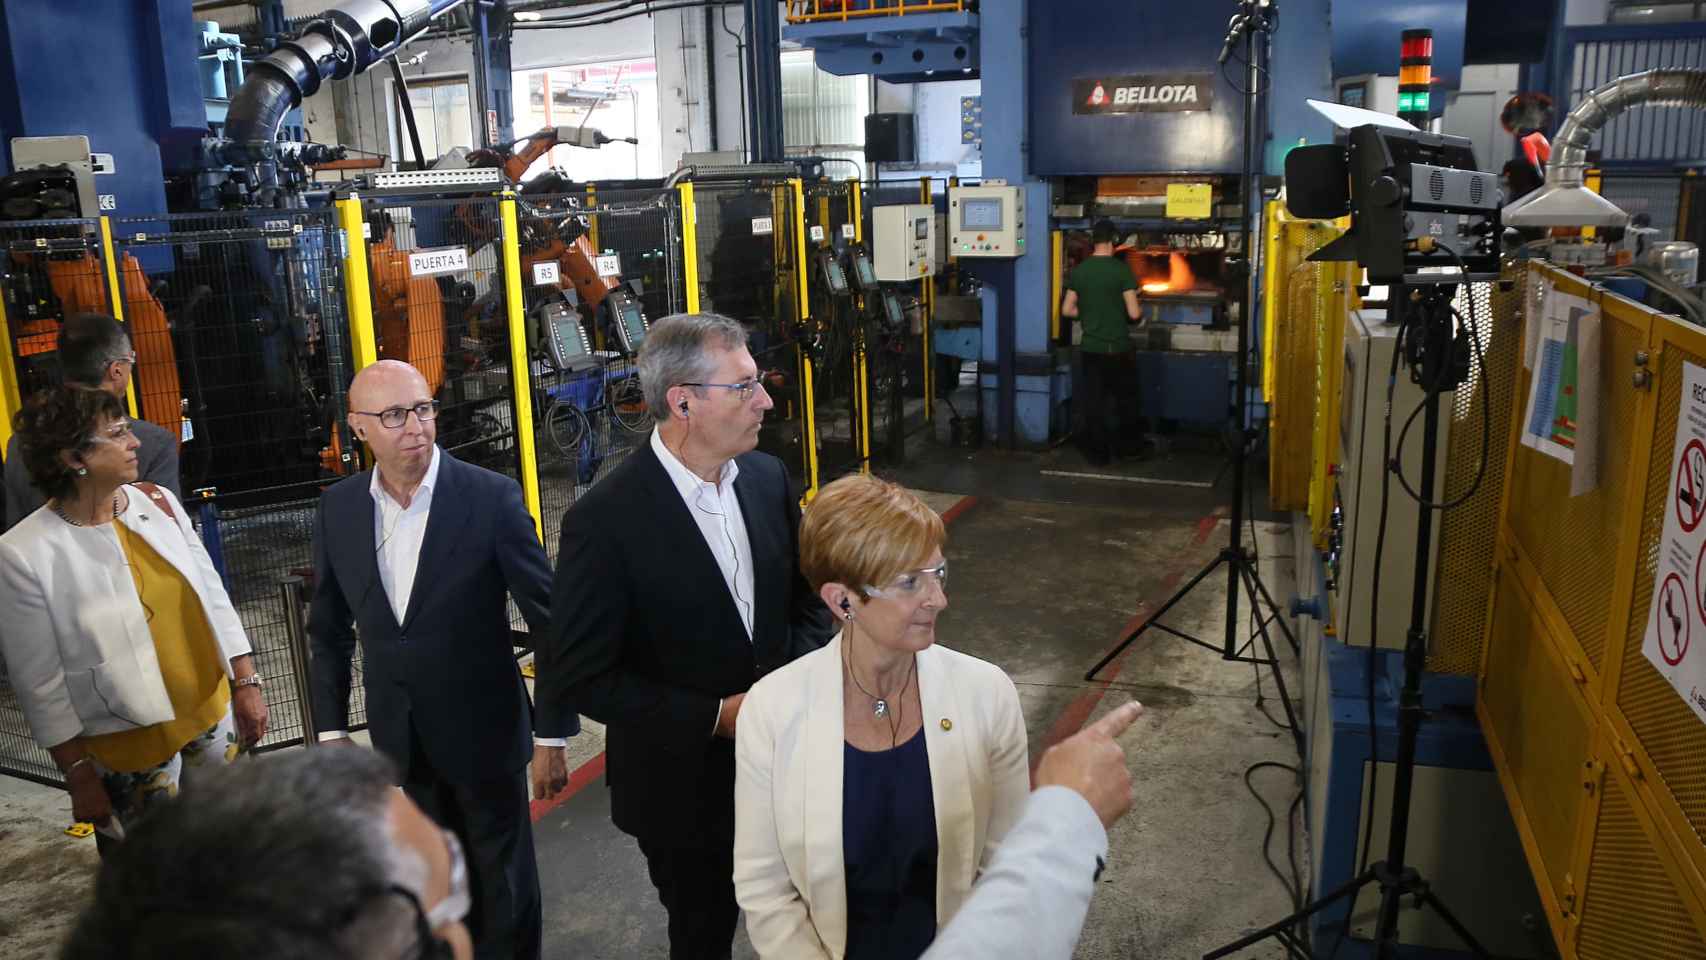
(1050, 570)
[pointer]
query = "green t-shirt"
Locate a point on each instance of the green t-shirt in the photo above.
(1100, 283)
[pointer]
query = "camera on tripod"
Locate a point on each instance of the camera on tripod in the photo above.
(1415, 200)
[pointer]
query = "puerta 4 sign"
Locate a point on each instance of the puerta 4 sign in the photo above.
(1143, 93)
(1678, 610)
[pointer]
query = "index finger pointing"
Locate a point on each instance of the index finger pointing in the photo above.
(1118, 720)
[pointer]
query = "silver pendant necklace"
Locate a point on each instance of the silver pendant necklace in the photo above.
(59, 508)
(879, 705)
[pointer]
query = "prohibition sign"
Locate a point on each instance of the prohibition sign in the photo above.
(1691, 485)
(1675, 622)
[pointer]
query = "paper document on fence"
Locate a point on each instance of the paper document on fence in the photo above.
(1678, 610)
(1561, 418)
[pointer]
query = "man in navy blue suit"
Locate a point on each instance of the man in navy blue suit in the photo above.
(421, 555)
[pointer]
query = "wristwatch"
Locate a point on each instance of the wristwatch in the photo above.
(252, 680)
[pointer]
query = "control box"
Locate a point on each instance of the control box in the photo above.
(903, 241)
(986, 221)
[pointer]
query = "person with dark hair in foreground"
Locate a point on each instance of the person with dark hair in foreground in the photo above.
(95, 352)
(307, 855)
(312, 855)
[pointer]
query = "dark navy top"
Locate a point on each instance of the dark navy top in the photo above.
(888, 839)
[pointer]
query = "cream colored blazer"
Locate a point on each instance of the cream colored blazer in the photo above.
(789, 877)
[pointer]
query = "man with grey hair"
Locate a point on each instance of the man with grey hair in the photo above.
(94, 352)
(678, 585)
(307, 855)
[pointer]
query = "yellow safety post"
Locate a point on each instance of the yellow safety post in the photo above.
(10, 394)
(808, 412)
(591, 219)
(856, 213)
(929, 302)
(1592, 180)
(358, 297)
(1056, 258)
(519, 370)
(689, 246)
(1274, 293)
(856, 209)
(115, 296)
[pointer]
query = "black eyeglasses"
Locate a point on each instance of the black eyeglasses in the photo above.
(394, 417)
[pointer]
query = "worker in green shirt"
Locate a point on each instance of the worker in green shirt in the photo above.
(1101, 294)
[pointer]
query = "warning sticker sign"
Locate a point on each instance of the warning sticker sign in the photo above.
(1679, 584)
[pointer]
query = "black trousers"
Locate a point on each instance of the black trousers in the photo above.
(492, 819)
(1109, 424)
(696, 885)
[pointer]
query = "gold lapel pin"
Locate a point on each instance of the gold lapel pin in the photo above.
(947, 724)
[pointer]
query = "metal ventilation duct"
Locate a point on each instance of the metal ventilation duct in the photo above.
(1563, 201)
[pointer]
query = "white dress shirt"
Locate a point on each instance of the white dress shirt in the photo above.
(398, 533)
(716, 510)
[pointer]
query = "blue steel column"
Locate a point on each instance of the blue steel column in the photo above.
(764, 81)
(1016, 332)
(492, 83)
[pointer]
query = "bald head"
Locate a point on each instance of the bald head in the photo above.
(393, 390)
(380, 378)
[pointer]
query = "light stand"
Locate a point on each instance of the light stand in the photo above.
(1439, 362)
(1253, 25)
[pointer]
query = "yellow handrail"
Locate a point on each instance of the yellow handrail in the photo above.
(818, 11)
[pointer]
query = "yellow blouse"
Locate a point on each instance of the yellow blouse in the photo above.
(189, 664)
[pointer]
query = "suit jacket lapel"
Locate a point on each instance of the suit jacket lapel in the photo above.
(822, 756)
(765, 600)
(674, 512)
(449, 513)
(361, 510)
(946, 727)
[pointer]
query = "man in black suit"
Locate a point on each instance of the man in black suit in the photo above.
(421, 554)
(678, 585)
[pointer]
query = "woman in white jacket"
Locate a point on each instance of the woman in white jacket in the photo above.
(874, 777)
(120, 641)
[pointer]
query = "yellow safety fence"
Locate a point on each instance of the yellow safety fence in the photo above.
(1304, 305)
(1602, 760)
(365, 341)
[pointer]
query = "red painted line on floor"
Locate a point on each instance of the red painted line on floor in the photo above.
(591, 770)
(966, 503)
(1077, 713)
(584, 774)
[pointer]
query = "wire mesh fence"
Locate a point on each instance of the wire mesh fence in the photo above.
(51, 270)
(588, 259)
(250, 316)
(1653, 199)
(248, 340)
(748, 251)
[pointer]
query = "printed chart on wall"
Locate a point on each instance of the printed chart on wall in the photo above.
(1562, 419)
(1676, 624)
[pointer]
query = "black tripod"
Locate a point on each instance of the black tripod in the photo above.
(1438, 360)
(1253, 24)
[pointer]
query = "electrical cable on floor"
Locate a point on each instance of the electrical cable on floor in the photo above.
(1292, 885)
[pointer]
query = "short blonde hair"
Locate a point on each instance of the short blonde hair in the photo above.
(862, 531)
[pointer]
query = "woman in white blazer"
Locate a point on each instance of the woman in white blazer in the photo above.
(120, 641)
(874, 777)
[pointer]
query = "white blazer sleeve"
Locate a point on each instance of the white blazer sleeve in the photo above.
(1031, 901)
(777, 921)
(32, 653)
(1009, 767)
(221, 615)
